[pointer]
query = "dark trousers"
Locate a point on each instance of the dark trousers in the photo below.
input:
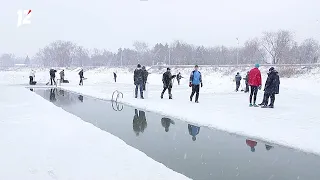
(178, 81)
(237, 85)
(61, 79)
(140, 86)
(30, 80)
(52, 79)
(266, 97)
(115, 79)
(195, 90)
(169, 91)
(253, 92)
(81, 81)
(144, 86)
(247, 87)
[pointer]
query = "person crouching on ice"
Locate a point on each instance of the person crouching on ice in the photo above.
(138, 79)
(195, 82)
(32, 76)
(271, 88)
(255, 84)
(238, 81)
(167, 82)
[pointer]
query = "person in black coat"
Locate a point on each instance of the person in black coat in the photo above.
(145, 76)
(271, 88)
(167, 82)
(115, 77)
(53, 76)
(238, 78)
(179, 77)
(138, 79)
(81, 77)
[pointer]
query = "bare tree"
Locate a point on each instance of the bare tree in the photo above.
(7, 60)
(309, 51)
(276, 43)
(252, 52)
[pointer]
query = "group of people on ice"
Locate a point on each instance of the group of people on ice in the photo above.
(140, 79)
(254, 80)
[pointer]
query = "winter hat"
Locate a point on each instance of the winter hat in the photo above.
(168, 69)
(271, 69)
(257, 65)
(237, 72)
(139, 66)
(143, 67)
(196, 66)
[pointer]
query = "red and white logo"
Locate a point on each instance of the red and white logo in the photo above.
(24, 17)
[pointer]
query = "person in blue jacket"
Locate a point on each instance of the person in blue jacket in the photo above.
(193, 131)
(195, 82)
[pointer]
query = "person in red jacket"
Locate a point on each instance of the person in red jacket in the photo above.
(255, 84)
(252, 144)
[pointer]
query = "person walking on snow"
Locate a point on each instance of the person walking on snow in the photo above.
(167, 82)
(138, 79)
(115, 77)
(193, 131)
(145, 75)
(195, 82)
(81, 77)
(62, 76)
(247, 83)
(271, 88)
(31, 77)
(238, 81)
(179, 77)
(255, 84)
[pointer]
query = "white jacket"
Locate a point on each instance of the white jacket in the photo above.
(32, 73)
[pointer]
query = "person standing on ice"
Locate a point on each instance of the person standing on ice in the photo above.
(32, 76)
(145, 77)
(252, 144)
(115, 77)
(138, 79)
(247, 83)
(167, 83)
(193, 131)
(195, 82)
(271, 88)
(52, 73)
(238, 81)
(166, 122)
(81, 77)
(255, 84)
(179, 77)
(62, 76)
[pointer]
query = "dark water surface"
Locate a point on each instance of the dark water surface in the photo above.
(197, 152)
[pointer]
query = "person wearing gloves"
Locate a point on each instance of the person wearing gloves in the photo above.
(31, 77)
(167, 83)
(255, 84)
(271, 88)
(195, 82)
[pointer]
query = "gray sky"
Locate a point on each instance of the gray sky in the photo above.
(111, 24)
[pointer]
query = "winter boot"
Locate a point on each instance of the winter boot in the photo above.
(250, 105)
(161, 96)
(271, 106)
(170, 96)
(254, 105)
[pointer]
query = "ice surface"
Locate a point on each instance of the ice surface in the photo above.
(295, 121)
(40, 141)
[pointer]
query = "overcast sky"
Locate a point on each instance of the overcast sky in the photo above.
(111, 24)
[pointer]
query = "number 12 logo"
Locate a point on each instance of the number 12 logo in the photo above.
(26, 19)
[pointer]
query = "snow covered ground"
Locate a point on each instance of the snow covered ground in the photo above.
(295, 121)
(41, 141)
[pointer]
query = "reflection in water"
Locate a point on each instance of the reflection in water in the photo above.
(53, 95)
(61, 92)
(80, 97)
(165, 122)
(251, 144)
(268, 147)
(139, 123)
(193, 131)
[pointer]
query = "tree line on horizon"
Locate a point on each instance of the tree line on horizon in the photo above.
(272, 48)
